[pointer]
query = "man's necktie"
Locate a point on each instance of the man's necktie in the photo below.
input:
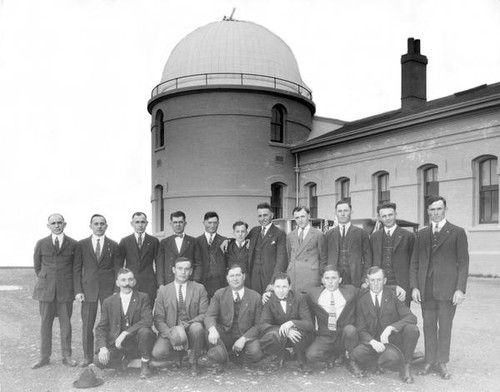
(56, 241)
(332, 315)
(210, 239)
(388, 233)
(283, 304)
(377, 305)
(139, 241)
(181, 298)
(263, 231)
(301, 236)
(98, 249)
(238, 298)
(343, 231)
(436, 229)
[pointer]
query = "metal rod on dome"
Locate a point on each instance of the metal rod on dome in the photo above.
(232, 13)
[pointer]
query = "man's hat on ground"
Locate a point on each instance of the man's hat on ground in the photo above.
(218, 354)
(392, 358)
(178, 336)
(271, 343)
(88, 379)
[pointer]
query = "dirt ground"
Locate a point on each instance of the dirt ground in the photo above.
(474, 359)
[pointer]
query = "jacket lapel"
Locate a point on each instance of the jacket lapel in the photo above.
(397, 238)
(189, 293)
(184, 246)
(443, 234)
(132, 306)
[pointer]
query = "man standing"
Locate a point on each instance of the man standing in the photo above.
(348, 247)
(286, 320)
(181, 303)
(210, 262)
(231, 321)
(306, 253)
(438, 275)
(391, 249)
(333, 310)
(237, 249)
(139, 251)
(171, 248)
(55, 270)
(124, 330)
(381, 318)
(267, 251)
(97, 263)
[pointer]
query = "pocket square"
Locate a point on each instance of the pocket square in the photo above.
(272, 243)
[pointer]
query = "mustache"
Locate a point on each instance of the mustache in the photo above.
(128, 286)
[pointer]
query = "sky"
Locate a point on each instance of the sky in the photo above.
(76, 76)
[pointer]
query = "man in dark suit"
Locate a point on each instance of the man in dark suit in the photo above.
(138, 253)
(391, 249)
(348, 247)
(171, 248)
(180, 303)
(267, 251)
(124, 330)
(333, 310)
(438, 276)
(210, 263)
(231, 321)
(306, 253)
(55, 270)
(237, 249)
(97, 263)
(286, 321)
(381, 318)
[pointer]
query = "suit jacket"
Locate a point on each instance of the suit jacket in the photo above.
(274, 257)
(141, 262)
(297, 310)
(320, 315)
(109, 327)
(306, 261)
(401, 254)
(360, 254)
(96, 278)
(205, 255)
(165, 311)
(450, 261)
(392, 312)
(236, 255)
(167, 255)
(55, 270)
(221, 311)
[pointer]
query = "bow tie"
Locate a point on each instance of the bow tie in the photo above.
(284, 299)
(181, 236)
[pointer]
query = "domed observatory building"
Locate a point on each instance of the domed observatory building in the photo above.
(230, 104)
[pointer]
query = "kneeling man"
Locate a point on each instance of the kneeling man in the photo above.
(286, 321)
(180, 309)
(231, 321)
(124, 331)
(387, 328)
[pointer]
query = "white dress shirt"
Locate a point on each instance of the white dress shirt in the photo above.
(305, 230)
(390, 230)
(208, 235)
(241, 292)
(125, 301)
(183, 289)
(325, 298)
(347, 226)
(178, 242)
(60, 237)
(94, 242)
(379, 295)
(439, 224)
(266, 228)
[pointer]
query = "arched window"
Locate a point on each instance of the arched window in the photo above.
(383, 190)
(159, 130)
(344, 189)
(160, 208)
(278, 124)
(277, 199)
(488, 190)
(313, 200)
(430, 187)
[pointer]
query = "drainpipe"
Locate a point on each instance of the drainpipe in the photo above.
(297, 175)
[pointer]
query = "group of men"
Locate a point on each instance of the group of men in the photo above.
(334, 297)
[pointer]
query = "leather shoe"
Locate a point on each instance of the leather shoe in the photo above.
(194, 370)
(86, 362)
(406, 374)
(41, 362)
(145, 370)
(443, 371)
(69, 362)
(354, 368)
(425, 370)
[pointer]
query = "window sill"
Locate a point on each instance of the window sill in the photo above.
(485, 227)
(277, 144)
(159, 148)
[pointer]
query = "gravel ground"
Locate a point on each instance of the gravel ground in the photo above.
(474, 358)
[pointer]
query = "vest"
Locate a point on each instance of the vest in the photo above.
(343, 260)
(387, 248)
(235, 327)
(182, 312)
(257, 255)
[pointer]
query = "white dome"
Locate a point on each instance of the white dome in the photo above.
(232, 52)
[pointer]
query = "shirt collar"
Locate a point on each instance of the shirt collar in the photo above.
(207, 235)
(137, 236)
(440, 224)
(391, 230)
(58, 236)
(125, 296)
(347, 225)
(95, 238)
(240, 291)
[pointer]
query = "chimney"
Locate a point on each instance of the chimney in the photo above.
(413, 77)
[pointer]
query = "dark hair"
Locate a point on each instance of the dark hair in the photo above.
(433, 199)
(182, 259)
(234, 266)
(240, 223)
(300, 208)
(343, 202)
(374, 269)
(178, 214)
(210, 214)
(329, 268)
(262, 206)
(97, 216)
(138, 213)
(123, 271)
(386, 205)
(280, 276)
